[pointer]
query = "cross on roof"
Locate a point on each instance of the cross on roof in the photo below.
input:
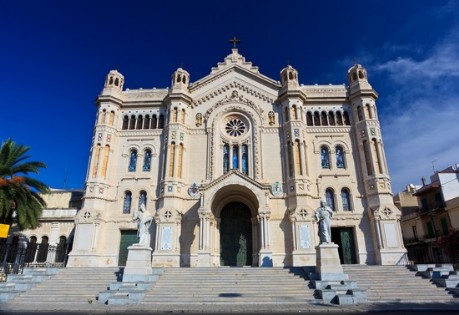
(234, 41)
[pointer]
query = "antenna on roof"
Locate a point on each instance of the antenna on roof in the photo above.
(433, 166)
(66, 175)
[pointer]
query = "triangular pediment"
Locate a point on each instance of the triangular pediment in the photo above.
(235, 177)
(234, 65)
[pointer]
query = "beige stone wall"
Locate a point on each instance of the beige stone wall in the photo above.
(235, 90)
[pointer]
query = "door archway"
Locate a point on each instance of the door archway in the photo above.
(235, 235)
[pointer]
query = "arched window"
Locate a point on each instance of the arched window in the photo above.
(96, 160)
(161, 122)
(103, 171)
(111, 119)
(376, 155)
(132, 122)
(366, 152)
(127, 202)
(43, 249)
(368, 111)
(359, 113)
(235, 157)
(323, 120)
(132, 161)
(174, 114)
(294, 113)
(139, 122)
(324, 157)
(297, 157)
(245, 163)
(331, 118)
(346, 199)
(179, 160)
(182, 119)
(309, 119)
(347, 122)
(291, 162)
(339, 118)
(147, 160)
(154, 122)
(225, 159)
(60, 249)
(31, 249)
(339, 157)
(103, 116)
(146, 122)
(143, 198)
(330, 198)
(316, 119)
(117, 81)
(125, 122)
(172, 159)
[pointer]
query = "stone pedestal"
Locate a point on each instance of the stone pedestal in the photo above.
(138, 265)
(266, 258)
(328, 265)
(204, 259)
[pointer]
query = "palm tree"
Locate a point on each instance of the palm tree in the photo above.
(20, 194)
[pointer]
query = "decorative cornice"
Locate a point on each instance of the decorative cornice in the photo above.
(147, 95)
(235, 99)
(141, 133)
(231, 86)
(328, 129)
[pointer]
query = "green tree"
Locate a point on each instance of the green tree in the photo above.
(18, 192)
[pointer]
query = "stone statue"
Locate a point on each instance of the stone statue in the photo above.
(323, 216)
(144, 219)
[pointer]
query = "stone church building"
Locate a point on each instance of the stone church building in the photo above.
(233, 166)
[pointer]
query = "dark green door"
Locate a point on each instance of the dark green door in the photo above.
(235, 235)
(344, 238)
(128, 237)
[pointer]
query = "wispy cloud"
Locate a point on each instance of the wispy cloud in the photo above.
(420, 123)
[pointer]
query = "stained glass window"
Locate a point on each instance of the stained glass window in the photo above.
(127, 202)
(235, 157)
(324, 157)
(132, 161)
(147, 161)
(330, 198)
(225, 158)
(346, 200)
(244, 160)
(339, 157)
(235, 127)
(142, 198)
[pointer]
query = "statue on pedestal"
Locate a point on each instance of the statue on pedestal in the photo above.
(144, 219)
(323, 216)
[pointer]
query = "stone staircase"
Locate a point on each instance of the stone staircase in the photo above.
(389, 284)
(69, 287)
(229, 286)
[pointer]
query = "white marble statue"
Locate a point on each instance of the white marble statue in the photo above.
(144, 219)
(323, 216)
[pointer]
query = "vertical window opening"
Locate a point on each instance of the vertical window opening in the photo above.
(132, 161)
(147, 161)
(324, 157)
(127, 202)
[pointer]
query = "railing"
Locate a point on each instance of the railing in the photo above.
(13, 258)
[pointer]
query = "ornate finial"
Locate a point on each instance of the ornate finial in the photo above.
(234, 41)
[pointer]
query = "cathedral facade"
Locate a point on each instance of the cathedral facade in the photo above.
(233, 166)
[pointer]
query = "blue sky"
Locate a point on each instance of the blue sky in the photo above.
(55, 55)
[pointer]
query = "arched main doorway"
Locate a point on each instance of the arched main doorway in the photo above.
(235, 235)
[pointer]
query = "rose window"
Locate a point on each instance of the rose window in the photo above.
(235, 127)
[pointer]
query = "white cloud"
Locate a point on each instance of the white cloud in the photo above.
(420, 124)
(444, 62)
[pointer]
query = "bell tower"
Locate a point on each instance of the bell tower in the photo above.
(384, 215)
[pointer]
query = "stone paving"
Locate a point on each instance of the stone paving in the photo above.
(236, 308)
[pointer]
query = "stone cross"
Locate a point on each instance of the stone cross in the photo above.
(234, 41)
